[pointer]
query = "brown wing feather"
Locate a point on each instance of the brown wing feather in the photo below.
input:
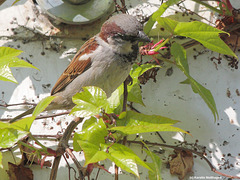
(76, 67)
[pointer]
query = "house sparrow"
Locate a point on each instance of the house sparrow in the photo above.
(104, 61)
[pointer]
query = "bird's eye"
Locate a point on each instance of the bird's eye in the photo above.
(119, 35)
(126, 37)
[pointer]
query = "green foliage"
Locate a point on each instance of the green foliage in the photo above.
(155, 165)
(42, 105)
(92, 100)
(15, 2)
(134, 123)
(179, 54)
(115, 101)
(89, 102)
(101, 132)
(8, 58)
(158, 13)
(205, 34)
(89, 140)
(92, 141)
(210, 7)
(11, 133)
(201, 32)
(93, 138)
(125, 158)
(23, 124)
(9, 136)
(134, 92)
(166, 5)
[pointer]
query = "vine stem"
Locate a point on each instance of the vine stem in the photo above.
(37, 142)
(26, 145)
(125, 95)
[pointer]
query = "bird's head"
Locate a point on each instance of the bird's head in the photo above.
(123, 28)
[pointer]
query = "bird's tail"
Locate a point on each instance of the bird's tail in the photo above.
(29, 111)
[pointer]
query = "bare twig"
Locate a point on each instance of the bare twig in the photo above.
(69, 169)
(97, 174)
(48, 136)
(42, 117)
(54, 115)
(192, 12)
(121, 8)
(124, 9)
(161, 137)
(200, 154)
(133, 108)
(81, 170)
(17, 104)
(116, 172)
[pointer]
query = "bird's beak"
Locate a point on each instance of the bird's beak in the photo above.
(143, 37)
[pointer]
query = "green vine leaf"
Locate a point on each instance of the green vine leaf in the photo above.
(92, 141)
(94, 134)
(179, 54)
(115, 101)
(134, 91)
(135, 122)
(9, 136)
(42, 105)
(10, 133)
(6, 74)
(89, 102)
(205, 34)
(4, 125)
(8, 58)
(146, 128)
(206, 96)
(15, 2)
(89, 122)
(133, 118)
(156, 165)
(23, 124)
(125, 158)
(158, 13)
(139, 70)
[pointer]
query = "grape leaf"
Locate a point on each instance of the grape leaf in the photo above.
(205, 34)
(42, 105)
(179, 54)
(89, 102)
(156, 165)
(92, 141)
(8, 58)
(135, 122)
(9, 136)
(158, 13)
